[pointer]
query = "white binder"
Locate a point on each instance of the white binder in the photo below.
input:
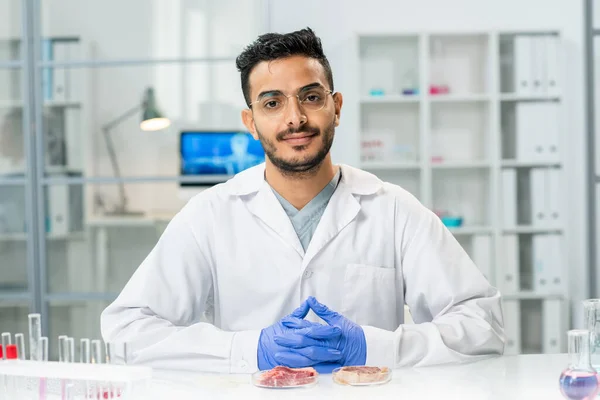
(508, 271)
(524, 129)
(539, 131)
(552, 335)
(73, 138)
(554, 196)
(545, 267)
(511, 311)
(551, 81)
(538, 64)
(482, 254)
(60, 82)
(522, 65)
(556, 266)
(509, 198)
(58, 209)
(539, 195)
(551, 137)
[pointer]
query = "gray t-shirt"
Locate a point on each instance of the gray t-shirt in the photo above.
(305, 221)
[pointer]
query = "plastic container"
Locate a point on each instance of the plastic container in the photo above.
(451, 221)
(35, 379)
(286, 378)
(362, 376)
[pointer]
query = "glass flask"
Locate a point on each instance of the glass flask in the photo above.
(591, 308)
(579, 381)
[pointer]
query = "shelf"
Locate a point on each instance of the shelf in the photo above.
(459, 98)
(389, 99)
(521, 97)
(532, 296)
(50, 104)
(470, 230)
(476, 164)
(533, 229)
(14, 298)
(18, 237)
(123, 220)
(389, 165)
(529, 164)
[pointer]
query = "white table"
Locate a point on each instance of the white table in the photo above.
(507, 378)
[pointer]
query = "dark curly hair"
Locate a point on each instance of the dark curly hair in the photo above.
(273, 46)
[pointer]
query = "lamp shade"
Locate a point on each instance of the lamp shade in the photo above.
(152, 118)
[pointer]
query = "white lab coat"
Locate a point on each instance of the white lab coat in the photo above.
(230, 264)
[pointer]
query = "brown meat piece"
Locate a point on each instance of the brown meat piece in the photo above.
(360, 375)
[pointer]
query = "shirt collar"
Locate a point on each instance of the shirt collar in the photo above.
(355, 180)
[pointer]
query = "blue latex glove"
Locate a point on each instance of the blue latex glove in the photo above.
(351, 343)
(306, 352)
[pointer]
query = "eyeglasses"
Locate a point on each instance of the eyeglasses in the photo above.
(274, 103)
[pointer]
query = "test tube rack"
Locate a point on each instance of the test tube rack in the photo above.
(22, 379)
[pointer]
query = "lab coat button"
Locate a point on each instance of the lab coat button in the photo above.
(243, 364)
(307, 274)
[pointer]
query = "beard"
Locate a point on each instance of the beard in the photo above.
(300, 166)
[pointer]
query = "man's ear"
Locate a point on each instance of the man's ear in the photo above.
(248, 120)
(338, 101)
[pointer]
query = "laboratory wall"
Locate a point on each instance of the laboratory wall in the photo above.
(111, 51)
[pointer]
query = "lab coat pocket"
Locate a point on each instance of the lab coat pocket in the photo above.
(370, 296)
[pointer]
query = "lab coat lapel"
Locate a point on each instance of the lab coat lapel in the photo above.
(265, 206)
(341, 210)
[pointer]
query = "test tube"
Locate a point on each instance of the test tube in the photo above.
(20, 341)
(108, 352)
(43, 348)
(96, 352)
(116, 353)
(69, 392)
(70, 356)
(43, 356)
(35, 333)
(84, 351)
(62, 344)
(6, 340)
(97, 359)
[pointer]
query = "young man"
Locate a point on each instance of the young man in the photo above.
(300, 262)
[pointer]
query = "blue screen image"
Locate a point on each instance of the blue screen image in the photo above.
(219, 153)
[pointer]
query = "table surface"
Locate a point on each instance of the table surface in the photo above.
(507, 377)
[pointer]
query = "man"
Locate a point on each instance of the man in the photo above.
(300, 262)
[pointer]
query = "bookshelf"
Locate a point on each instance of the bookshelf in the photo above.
(443, 115)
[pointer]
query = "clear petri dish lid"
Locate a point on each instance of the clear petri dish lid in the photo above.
(361, 375)
(282, 377)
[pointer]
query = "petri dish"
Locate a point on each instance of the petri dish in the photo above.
(361, 375)
(286, 378)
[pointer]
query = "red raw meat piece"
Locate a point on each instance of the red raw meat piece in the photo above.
(284, 376)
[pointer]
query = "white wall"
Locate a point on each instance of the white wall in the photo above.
(337, 22)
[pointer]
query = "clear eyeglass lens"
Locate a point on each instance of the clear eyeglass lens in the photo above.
(310, 100)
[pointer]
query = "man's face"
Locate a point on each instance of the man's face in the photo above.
(295, 137)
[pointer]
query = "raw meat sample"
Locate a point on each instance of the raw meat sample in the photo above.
(361, 375)
(284, 377)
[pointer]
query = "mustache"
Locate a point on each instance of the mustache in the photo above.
(311, 130)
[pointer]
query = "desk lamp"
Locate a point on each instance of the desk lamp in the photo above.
(152, 120)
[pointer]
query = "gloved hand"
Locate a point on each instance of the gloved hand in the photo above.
(308, 341)
(351, 343)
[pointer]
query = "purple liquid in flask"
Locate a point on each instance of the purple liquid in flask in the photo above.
(579, 381)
